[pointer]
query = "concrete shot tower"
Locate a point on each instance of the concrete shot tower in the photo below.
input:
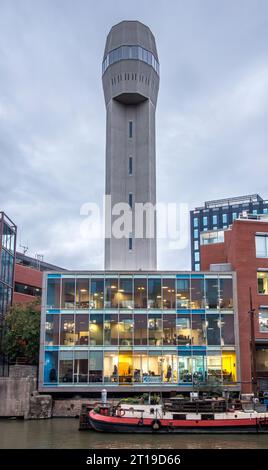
(130, 83)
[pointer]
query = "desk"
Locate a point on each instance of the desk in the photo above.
(125, 378)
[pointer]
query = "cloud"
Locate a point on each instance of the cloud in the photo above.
(211, 115)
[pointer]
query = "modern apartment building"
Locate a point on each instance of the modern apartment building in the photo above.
(219, 214)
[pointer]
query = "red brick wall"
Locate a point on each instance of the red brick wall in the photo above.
(29, 277)
(238, 249)
(211, 254)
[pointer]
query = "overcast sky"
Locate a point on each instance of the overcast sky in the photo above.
(212, 112)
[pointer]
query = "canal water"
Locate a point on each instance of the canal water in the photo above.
(63, 434)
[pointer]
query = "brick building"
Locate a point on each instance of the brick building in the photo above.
(29, 277)
(244, 247)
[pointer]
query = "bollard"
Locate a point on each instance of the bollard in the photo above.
(104, 396)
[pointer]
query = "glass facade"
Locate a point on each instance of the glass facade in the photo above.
(137, 328)
(130, 52)
(7, 263)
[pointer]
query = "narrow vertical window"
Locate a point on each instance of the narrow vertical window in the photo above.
(130, 200)
(130, 243)
(130, 166)
(130, 129)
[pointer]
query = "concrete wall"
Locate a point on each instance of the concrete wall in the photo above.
(15, 391)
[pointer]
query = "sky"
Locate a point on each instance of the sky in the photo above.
(211, 119)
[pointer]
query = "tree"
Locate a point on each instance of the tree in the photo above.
(21, 333)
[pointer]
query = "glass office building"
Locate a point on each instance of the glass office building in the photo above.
(8, 232)
(129, 331)
(219, 214)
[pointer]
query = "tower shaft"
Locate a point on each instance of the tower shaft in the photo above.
(130, 83)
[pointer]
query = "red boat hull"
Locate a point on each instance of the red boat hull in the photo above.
(117, 424)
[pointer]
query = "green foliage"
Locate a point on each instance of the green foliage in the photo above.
(155, 399)
(131, 400)
(21, 332)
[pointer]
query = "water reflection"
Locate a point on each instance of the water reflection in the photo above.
(64, 434)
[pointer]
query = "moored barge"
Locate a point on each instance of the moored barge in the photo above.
(198, 417)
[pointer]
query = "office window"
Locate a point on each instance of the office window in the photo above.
(30, 290)
(110, 329)
(197, 267)
(169, 294)
(155, 329)
(255, 212)
(262, 282)
(183, 293)
(261, 246)
(130, 129)
(81, 329)
(67, 336)
(111, 293)
(263, 321)
(66, 366)
(199, 330)
(96, 293)
(82, 293)
(80, 367)
(215, 219)
(224, 218)
(140, 329)
(154, 293)
(52, 330)
(130, 200)
(195, 233)
(226, 294)
(214, 367)
(195, 222)
(110, 366)
(197, 256)
(197, 294)
(125, 293)
(126, 329)
(213, 330)
(169, 329)
(51, 367)
(140, 293)
(96, 329)
(53, 293)
(95, 366)
(196, 245)
(234, 215)
(265, 210)
(183, 330)
(130, 243)
(227, 330)
(68, 293)
(211, 293)
(205, 220)
(130, 166)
